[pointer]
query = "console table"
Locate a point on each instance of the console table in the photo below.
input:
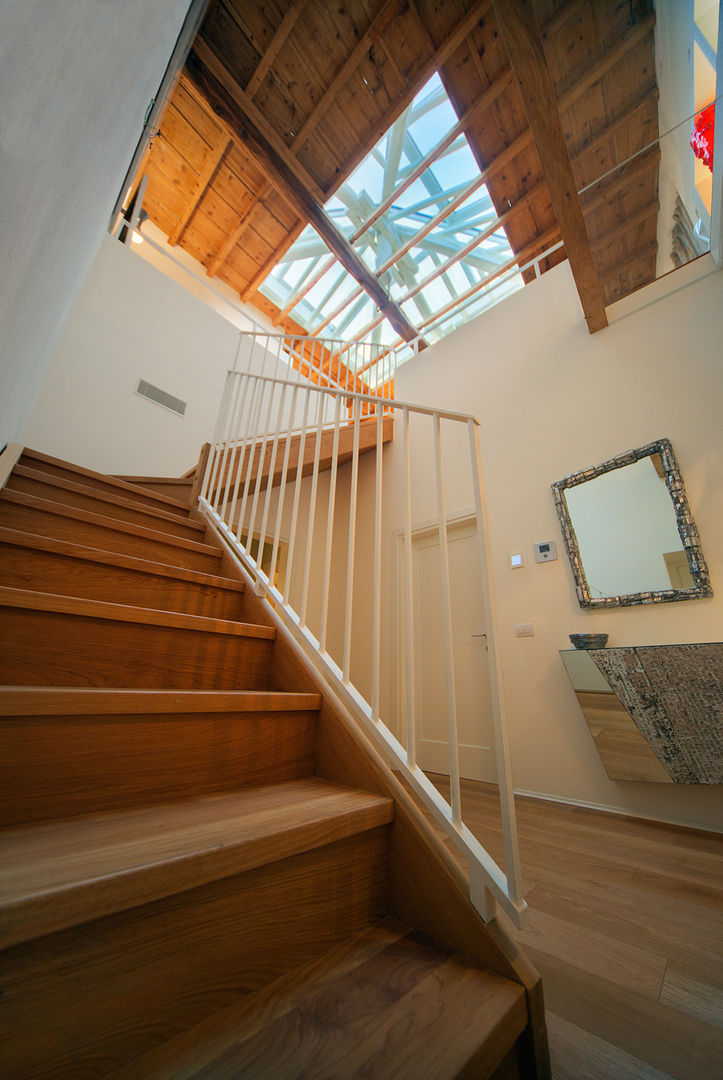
(654, 711)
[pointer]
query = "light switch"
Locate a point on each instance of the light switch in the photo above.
(516, 560)
(524, 629)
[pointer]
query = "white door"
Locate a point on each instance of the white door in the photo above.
(472, 680)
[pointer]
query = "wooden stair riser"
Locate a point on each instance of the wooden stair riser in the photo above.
(60, 766)
(112, 506)
(49, 648)
(180, 490)
(46, 522)
(64, 470)
(47, 571)
(80, 1002)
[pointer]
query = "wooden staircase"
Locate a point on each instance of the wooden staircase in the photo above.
(206, 871)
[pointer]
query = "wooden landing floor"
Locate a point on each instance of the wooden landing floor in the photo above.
(626, 929)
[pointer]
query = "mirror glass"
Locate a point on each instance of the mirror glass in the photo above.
(628, 530)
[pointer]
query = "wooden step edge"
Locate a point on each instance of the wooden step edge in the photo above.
(243, 1019)
(61, 874)
(444, 1018)
(105, 497)
(17, 538)
(142, 481)
(90, 701)
(28, 599)
(46, 506)
(104, 477)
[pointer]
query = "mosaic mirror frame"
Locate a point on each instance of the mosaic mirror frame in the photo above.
(684, 519)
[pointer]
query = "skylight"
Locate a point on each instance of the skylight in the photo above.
(431, 239)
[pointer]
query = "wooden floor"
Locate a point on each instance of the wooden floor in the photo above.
(626, 928)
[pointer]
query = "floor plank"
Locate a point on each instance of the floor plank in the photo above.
(577, 1055)
(626, 928)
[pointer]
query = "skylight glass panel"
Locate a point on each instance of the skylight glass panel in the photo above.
(421, 226)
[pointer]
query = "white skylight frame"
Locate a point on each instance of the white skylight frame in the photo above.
(417, 211)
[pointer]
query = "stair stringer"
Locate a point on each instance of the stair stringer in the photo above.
(427, 890)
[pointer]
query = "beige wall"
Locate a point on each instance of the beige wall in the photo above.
(75, 80)
(552, 399)
(131, 322)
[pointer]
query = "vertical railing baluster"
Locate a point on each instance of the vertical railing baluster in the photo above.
(207, 486)
(499, 708)
(409, 598)
(454, 788)
(297, 493)
(254, 444)
(234, 449)
(282, 485)
(346, 664)
(246, 444)
(377, 594)
(330, 527)
(221, 478)
(312, 511)
(272, 466)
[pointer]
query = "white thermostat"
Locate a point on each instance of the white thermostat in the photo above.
(546, 551)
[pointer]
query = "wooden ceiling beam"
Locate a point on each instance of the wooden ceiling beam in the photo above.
(277, 254)
(433, 63)
(521, 36)
(277, 42)
(273, 160)
(645, 252)
(352, 62)
(618, 231)
(607, 62)
(604, 190)
(203, 57)
(233, 237)
(213, 164)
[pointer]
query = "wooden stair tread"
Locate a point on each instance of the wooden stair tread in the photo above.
(388, 1004)
(112, 500)
(61, 873)
(102, 478)
(89, 701)
(101, 609)
(47, 506)
(115, 558)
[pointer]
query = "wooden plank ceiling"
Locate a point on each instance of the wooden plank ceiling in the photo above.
(280, 101)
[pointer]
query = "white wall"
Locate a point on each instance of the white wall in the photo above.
(131, 322)
(75, 80)
(552, 399)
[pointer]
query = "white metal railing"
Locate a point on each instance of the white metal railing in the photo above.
(289, 488)
(356, 366)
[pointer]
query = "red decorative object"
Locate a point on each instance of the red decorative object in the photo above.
(702, 138)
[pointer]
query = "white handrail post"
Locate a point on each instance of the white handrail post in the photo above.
(499, 708)
(312, 512)
(282, 485)
(409, 597)
(218, 428)
(454, 786)
(297, 493)
(330, 527)
(377, 617)
(346, 663)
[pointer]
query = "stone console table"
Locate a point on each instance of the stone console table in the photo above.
(654, 711)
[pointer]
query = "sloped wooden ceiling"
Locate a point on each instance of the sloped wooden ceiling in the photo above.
(317, 84)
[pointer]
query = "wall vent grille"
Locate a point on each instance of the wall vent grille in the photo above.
(161, 397)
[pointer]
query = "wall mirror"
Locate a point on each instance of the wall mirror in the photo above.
(629, 532)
